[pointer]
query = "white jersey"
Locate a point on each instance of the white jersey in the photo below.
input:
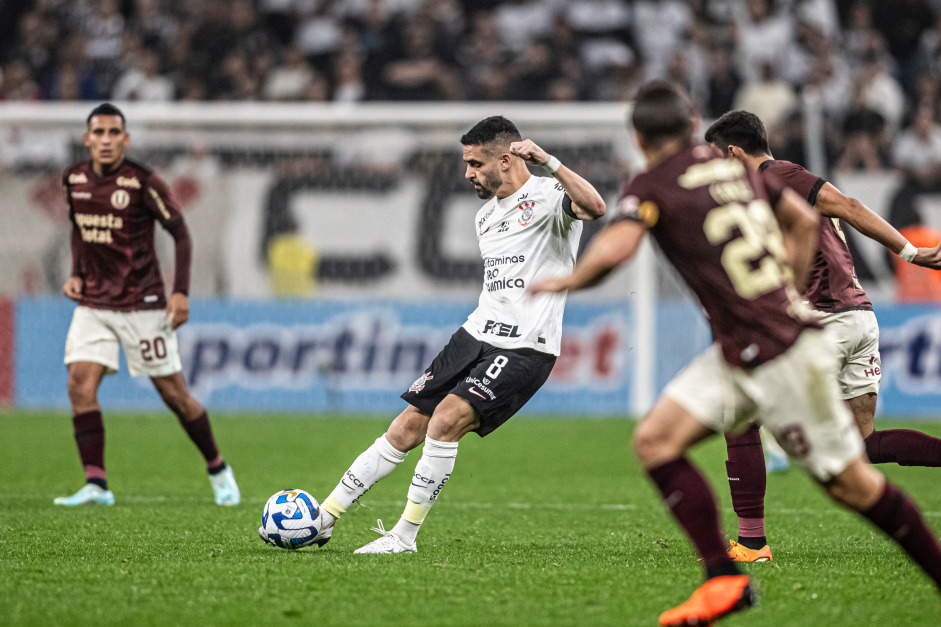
(523, 238)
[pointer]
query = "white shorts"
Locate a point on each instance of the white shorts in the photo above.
(150, 346)
(856, 334)
(795, 396)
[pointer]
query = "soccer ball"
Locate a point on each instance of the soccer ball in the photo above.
(291, 520)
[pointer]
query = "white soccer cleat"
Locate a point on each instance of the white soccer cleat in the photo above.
(224, 487)
(388, 543)
(324, 536)
(90, 494)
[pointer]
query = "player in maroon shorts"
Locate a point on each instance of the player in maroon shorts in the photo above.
(846, 314)
(113, 203)
(713, 220)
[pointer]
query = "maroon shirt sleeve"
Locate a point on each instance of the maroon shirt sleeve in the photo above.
(794, 176)
(159, 200)
(635, 204)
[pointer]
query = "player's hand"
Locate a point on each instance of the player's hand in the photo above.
(73, 288)
(529, 152)
(928, 257)
(554, 285)
(178, 310)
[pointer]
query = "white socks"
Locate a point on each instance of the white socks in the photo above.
(432, 472)
(372, 465)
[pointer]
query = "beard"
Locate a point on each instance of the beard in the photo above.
(489, 186)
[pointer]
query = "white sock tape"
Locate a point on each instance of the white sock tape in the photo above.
(552, 164)
(908, 252)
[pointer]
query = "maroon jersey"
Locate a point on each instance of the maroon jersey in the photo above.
(113, 236)
(714, 221)
(832, 285)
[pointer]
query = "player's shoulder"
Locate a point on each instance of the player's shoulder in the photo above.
(781, 168)
(547, 185)
(77, 173)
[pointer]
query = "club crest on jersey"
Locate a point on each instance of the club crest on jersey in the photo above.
(419, 384)
(529, 213)
(120, 199)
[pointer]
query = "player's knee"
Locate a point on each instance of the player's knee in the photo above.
(408, 429)
(82, 389)
(647, 443)
(858, 487)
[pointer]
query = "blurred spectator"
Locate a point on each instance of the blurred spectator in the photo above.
(143, 82)
(16, 82)
(289, 80)
(156, 28)
(916, 152)
(348, 85)
(882, 91)
(417, 72)
(105, 32)
(863, 131)
(902, 22)
(724, 83)
(658, 28)
(768, 98)
(521, 21)
(761, 38)
(319, 32)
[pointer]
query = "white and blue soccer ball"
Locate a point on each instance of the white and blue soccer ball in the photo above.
(291, 520)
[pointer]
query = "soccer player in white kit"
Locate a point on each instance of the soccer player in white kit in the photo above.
(500, 357)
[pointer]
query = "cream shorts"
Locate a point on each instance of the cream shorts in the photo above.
(856, 335)
(150, 346)
(795, 396)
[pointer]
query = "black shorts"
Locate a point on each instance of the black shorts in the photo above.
(497, 382)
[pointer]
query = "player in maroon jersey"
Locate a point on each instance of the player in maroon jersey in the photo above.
(737, 240)
(113, 204)
(846, 313)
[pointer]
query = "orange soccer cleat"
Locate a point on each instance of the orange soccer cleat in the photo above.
(741, 553)
(711, 601)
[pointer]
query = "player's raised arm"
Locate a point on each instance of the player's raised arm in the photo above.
(834, 204)
(587, 203)
(798, 223)
(610, 249)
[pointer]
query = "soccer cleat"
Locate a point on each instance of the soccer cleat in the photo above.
(324, 536)
(387, 544)
(741, 553)
(224, 488)
(711, 601)
(90, 494)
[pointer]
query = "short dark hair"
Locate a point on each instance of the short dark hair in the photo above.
(106, 109)
(493, 130)
(662, 111)
(742, 129)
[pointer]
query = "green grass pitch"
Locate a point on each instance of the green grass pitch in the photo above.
(545, 522)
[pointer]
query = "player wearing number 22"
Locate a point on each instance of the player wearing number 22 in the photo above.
(504, 352)
(737, 240)
(113, 204)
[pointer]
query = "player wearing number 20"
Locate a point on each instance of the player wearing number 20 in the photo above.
(501, 356)
(113, 204)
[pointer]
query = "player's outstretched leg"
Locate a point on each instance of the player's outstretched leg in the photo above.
(388, 451)
(453, 418)
(747, 483)
(195, 421)
(89, 429)
(661, 442)
(904, 447)
(862, 488)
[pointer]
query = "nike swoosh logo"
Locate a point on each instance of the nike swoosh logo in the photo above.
(346, 485)
(473, 391)
(419, 486)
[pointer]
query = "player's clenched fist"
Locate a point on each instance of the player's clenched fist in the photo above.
(73, 287)
(528, 151)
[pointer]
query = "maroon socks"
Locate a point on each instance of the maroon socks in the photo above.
(747, 483)
(904, 447)
(897, 516)
(90, 438)
(200, 432)
(689, 499)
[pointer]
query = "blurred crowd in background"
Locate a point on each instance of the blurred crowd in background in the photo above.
(875, 66)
